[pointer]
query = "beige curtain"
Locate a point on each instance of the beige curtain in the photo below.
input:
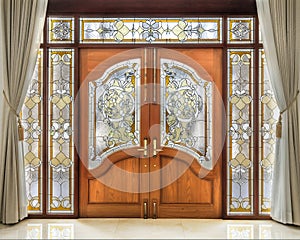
(21, 22)
(278, 25)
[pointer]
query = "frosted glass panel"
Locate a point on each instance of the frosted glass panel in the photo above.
(268, 115)
(240, 132)
(32, 121)
(60, 30)
(186, 111)
(60, 135)
(114, 111)
(240, 30)
(150, 30)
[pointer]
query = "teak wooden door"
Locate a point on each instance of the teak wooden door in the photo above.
(150, 127)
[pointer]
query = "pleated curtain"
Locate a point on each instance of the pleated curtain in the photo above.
(21, 25)
(279, 21)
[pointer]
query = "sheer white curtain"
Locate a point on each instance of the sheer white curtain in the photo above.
(278, 20)
(21, 23)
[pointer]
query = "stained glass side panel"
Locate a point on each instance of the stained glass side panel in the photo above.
(32, 121)
(186, 111)
(114, 111)
(240, 30)
(150, 30)
(268, 115)
(60, 135)
(60, 30)
(240, 132)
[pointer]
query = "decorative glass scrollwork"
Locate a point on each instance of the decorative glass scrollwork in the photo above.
(114, 113)
(32, 121)
(61, 127)
(240, 30)
(151, 30)
(186, 111)
(240, 131)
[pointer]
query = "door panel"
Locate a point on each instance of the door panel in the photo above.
(101, 193)
(187, 189)
(179, 175)
(186, 138)
(111, 134)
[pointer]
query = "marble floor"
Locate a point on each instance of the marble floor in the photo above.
(125, 228)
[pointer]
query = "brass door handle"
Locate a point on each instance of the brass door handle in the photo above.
(145, 209)
(145, 149)
(154, 209)
(155, 150)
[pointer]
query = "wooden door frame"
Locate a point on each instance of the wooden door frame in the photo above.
(179, 8)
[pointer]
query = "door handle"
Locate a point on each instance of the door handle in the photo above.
(155, 150)
(154, 209)
(145, 209)
(145, 149)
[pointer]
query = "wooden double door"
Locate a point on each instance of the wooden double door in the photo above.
(150, 133)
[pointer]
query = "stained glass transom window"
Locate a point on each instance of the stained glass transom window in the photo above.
(240, 30)
(114, 111)
(32, 121)
(61, 30)
(61, 127)
(268, 115)
(186, 111)
(151, 30)
(240, 131)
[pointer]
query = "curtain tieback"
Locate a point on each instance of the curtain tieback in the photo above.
(279, 124)
(20, 127)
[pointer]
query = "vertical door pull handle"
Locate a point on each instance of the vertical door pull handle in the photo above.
(145, 149)
(145, 210)
(154, 210)
(155, 150)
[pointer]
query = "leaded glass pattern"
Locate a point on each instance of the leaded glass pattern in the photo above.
(268, 115)
(186, 111)
(60, 30)
(240, 132)
(60, 127)
(114, 111)
(151, 30)
(32, 121)
(240, 30)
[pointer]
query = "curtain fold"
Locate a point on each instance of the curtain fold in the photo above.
(278, 26)
(22, 22)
